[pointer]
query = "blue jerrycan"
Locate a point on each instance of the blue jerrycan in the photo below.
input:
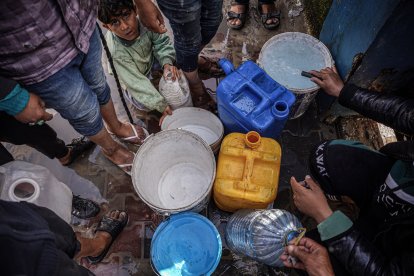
(248, 99)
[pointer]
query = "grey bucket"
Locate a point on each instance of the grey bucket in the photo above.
(173, 171)
(298, 47)
(198, 121)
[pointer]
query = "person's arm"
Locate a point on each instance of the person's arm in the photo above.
(18, 102)
(163, 49)
(150, 16)
(344, 241)
(139, 86)
(393, 111)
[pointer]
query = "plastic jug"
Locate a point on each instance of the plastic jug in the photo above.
(176, 93)
(247, 172)
(262, 234)
(248, 99)
(22, 181)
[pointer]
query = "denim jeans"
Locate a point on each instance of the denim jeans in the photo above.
(194, 24)
(78, 90)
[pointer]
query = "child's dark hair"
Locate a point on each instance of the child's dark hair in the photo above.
(112, 8)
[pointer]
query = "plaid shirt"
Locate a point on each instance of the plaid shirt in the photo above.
(40, 37)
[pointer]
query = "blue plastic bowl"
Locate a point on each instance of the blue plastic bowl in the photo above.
(186, 244)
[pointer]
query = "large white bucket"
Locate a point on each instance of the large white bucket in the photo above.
(173, 171)
(284, 56)
(198, 121)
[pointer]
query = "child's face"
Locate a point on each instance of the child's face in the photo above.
(125, 26)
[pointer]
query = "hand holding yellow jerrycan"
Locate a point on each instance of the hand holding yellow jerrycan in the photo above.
(247, 172)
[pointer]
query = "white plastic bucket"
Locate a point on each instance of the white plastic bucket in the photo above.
(198, 121)
(174, 171)
(284, 56)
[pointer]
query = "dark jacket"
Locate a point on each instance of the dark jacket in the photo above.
(391, 250)
(27, 246)
(393, 111)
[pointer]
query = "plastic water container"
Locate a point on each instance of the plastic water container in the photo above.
(247, 172)
(248, 99)
(176, 93)
(262, 234)
(285, 56)
(24, 181)
(173, 171)
(186, 244)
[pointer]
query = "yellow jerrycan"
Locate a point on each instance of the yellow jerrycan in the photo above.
(247, 172)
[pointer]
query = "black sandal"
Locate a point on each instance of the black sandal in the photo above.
(267, 16)
(234, 15)
(84, 208)
(113, 227)
(210, 69)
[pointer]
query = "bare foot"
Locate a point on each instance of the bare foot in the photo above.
(126, 133)
(270, 8)
(103, 239)
(236, 9)
(119, 156)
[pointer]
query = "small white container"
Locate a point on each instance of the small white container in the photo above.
(173, 171)
(176, 93)
(198, 121)
(23, 181)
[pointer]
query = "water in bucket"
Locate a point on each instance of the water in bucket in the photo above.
(286, 55)
(248, 99)
(173, 171)
(262, 234)
(198, 121)
(186, 244)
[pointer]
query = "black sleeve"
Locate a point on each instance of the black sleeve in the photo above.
(403, 150)
(393, 111)
(360, 257)
(6, 86)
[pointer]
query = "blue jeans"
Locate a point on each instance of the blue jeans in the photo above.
(194, 24)
(78, 90)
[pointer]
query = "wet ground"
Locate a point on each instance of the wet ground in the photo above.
(92, 176)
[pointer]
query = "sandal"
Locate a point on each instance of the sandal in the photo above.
(130, 139)
(210, 69)
(113, 227)
(234, 15)
(270, 15)
(84, 208)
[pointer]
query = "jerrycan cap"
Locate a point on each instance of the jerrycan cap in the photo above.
(252, 139)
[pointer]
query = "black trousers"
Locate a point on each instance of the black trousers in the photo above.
(43, 138)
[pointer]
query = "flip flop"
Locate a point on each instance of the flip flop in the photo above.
(269, 15)
(135, 136)
(235, 15)
(113, 227)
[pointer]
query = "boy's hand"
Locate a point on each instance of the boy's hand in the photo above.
(329, 80)
(167, 111)
(34, 111)
(150, 16)
(175, 74)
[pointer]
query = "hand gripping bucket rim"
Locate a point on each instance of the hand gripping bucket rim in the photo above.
(202, 200)
(194, 240)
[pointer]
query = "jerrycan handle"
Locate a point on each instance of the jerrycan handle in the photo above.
(252, 139)
(226, 65)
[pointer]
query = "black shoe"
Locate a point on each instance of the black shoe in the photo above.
(78, 146)
(84, 208)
